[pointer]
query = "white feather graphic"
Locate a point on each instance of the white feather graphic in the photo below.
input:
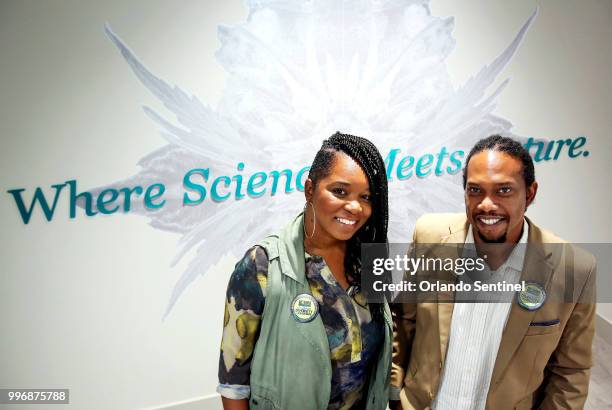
(297, 72)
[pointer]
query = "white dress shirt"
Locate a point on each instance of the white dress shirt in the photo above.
(475, 336)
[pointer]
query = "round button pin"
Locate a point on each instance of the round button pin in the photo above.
(304, 308)
(532, 297)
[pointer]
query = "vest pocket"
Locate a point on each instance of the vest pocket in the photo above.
(262, 403)
(263, 399)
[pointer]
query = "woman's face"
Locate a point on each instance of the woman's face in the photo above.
(341, 201)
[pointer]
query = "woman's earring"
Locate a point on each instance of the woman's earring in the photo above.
(314, 223)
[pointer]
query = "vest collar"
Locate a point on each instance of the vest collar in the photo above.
(291, 250)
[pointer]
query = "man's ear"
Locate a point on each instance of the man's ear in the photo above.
(308, 189)
(531, 193)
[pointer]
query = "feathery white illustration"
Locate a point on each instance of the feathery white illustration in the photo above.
(298, 72)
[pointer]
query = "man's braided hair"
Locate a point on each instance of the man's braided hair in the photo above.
(506, 145)
(374, 230)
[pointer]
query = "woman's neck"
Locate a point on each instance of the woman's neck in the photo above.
(324, 246)
(333, 254)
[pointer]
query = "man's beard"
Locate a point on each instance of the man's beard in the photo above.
(501, 239)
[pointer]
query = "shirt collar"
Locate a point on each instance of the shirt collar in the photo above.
(315, 258)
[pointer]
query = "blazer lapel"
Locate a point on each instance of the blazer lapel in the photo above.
(538, 267)
(456, 235)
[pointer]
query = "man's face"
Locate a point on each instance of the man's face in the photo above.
(496, 197)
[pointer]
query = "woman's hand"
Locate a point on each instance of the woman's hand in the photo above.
(230, 404)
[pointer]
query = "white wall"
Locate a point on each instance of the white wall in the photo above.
(560, 88)
(81, 300)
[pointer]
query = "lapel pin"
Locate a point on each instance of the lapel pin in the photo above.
(532, 297)
(304, 308)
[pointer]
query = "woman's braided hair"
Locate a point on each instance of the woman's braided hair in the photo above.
(374, 230)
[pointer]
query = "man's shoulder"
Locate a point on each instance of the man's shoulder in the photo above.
(583, 262)
(433, 228)
(542, 235)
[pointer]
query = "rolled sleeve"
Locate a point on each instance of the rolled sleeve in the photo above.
(394, 393)
(234, 391)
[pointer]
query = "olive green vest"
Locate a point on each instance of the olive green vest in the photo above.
(291, 367)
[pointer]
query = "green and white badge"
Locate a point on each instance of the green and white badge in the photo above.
(532, 297)
(304, 308)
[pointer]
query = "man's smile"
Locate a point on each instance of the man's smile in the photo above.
(490, 219)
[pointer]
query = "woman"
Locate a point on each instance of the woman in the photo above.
(298, 332)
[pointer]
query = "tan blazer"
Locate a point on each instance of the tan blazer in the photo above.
(537, 366)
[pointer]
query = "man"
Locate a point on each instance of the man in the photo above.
(531, 352)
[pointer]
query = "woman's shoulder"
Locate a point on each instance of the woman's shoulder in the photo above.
(248, 282)
(253, 263)
(255, 259)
